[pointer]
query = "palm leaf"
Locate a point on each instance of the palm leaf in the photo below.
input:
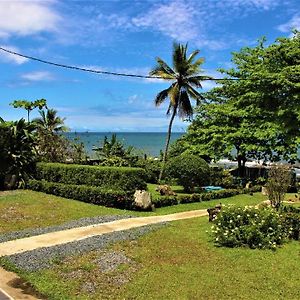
(185, 108)
(192, 56)
(161, 97)
(194, 94)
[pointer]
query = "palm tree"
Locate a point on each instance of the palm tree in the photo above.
(185, 78)
(50, 122)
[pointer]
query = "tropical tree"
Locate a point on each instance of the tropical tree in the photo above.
(29, 105)
(50, 122)
(185, 77)
(51, 145)
(254, 113)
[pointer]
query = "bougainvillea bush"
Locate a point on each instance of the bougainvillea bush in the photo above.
(249, 227)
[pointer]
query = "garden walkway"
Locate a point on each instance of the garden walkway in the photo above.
(71, 235)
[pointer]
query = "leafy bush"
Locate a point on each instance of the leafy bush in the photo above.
(17, 150)
(291, 221)
(114, 154)
(152, 169)
(190, 171)
(164, 201)
(120, 178)
(221, 177)
(236, 227)
(89, 194)
(279, 179)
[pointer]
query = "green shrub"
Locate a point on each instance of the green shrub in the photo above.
(236, 227)
(190, 171)
(120, 178)
(152, 169)
(89, 194)
(221, 177)
(164, 201)
(291, 221)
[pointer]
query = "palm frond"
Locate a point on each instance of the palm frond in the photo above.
(163, 70)
(185, 108)
(161, 97)
(192, 56)
(194, 94)
(174, 93)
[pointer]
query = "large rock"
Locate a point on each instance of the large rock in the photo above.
(142, 199)
(165, 190)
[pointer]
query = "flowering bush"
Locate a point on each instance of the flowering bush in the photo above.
(249, 226)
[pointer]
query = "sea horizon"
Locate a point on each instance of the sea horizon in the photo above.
(150, 143)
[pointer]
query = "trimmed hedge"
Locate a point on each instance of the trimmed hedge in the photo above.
(162, 201)
(89, 194)
(120, 178)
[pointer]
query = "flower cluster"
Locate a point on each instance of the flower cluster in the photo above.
(249, 226)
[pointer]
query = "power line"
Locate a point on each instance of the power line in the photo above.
(94, 71)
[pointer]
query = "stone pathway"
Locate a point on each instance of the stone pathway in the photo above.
(74, 234)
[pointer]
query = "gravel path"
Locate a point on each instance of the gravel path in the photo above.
(72, 224)
(42, 258)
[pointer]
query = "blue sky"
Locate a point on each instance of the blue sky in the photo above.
(122, 36)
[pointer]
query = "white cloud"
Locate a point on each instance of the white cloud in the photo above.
(293, 23)
(37, 76)
(174, 19)
(27, 17)
(10, 58)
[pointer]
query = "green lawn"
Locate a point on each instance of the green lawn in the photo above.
(23, 209)
(177, 262)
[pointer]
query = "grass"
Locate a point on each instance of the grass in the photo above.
(24, 209)
(177, 262)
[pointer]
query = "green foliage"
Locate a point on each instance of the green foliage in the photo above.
(152, 168)
(291, 220)
(29, 105)
(90, 194)
(191, 171)
(49, 121)
(114, 154)
(17, 150)
(250, 227)
(53, 147)
(120, 178)
(258, 116)
(279, 179)
(221, 177)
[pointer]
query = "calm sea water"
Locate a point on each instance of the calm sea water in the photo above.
(147, 142)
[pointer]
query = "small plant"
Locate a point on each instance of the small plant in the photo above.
(250, 227)
(279, 180)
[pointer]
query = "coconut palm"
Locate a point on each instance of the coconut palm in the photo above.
(50, 122)
(185, 77)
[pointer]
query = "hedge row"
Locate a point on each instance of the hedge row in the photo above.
(162, 201)
(120, 178)
(89, 194)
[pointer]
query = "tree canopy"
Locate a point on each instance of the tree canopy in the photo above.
(255, 111)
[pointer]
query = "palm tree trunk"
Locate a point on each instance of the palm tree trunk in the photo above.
(167, 144)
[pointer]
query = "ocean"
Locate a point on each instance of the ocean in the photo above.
(149, 143)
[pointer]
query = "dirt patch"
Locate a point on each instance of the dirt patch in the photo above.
(111, 261)
(8, 193)
(26, 287)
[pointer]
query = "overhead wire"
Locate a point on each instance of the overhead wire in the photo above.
(93, 70)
